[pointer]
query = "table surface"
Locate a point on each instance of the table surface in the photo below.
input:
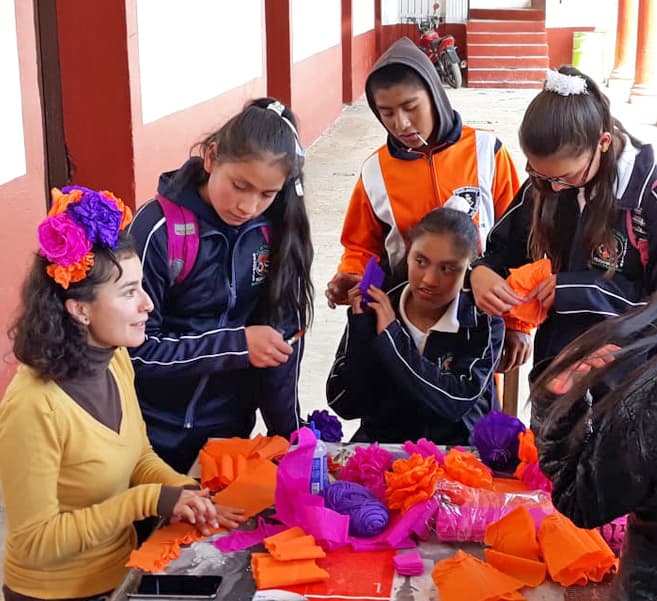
(203, 558)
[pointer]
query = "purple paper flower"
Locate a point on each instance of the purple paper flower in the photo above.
(62, 240)
(496, 437)
(329, 425)
(99, 216)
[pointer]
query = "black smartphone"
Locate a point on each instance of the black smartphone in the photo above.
(177, 586)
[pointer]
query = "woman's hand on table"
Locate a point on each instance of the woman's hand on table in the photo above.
(196, 507)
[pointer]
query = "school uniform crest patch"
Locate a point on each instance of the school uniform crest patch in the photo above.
(602, 255)
(472, 195)
(259, 265)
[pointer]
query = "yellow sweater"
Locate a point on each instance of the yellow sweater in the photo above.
(73, 487)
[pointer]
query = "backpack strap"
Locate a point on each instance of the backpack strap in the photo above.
(182, 238)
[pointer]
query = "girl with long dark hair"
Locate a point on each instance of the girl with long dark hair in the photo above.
(589, 205)
(215, 348)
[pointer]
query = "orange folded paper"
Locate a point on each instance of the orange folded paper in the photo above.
(253, 490)
(523, 280)
(271, 573)
(223, 460)
(515, 534)
(293, 544)
(464, 577)
(574, 555)
(163, 546)
(529, 572)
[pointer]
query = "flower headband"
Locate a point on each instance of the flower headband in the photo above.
(564, 84)
(79, 219)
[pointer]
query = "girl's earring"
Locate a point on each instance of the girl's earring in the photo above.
(604, 148)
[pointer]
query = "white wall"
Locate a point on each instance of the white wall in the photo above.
(193, 50)
(499, 4)
(601, 14)
(316, 26)
(362, 16)
(390, 12)
(12, 142)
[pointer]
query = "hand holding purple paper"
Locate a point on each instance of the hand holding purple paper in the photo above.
(373, 276)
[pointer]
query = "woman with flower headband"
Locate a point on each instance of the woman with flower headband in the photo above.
(217, 343)
(589, 205)
(75, 463)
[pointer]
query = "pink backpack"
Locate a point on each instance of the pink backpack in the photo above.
(183, 238)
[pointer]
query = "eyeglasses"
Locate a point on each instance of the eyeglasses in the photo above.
(559, 181)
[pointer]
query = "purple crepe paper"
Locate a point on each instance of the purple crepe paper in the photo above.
(408, 564)
(373, 276)
(496, 438)
(368, 516)
(243, 539)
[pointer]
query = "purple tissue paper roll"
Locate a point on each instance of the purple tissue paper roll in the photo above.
(368, 519)
(342, 496)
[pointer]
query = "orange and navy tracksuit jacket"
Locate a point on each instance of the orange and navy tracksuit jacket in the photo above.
(398, 186)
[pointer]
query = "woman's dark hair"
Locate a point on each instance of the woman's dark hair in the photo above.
(571, 126)
(635, 332)
(256, 133)
(394, 74)
(45, 335)
(448, 221)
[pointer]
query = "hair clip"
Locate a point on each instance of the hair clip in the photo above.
(564, 84)
(278, 107)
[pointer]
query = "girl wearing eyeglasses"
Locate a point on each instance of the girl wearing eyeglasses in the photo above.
(589, 205)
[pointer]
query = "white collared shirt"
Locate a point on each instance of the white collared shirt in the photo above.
(447, 323)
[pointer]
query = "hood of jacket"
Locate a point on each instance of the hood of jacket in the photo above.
(405, 52)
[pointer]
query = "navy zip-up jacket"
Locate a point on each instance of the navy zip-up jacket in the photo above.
(401, 394)
(583, 295)
(193, 369)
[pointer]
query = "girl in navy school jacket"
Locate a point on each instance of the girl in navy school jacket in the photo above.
(589, 205)
(215, 348)
(419, 361)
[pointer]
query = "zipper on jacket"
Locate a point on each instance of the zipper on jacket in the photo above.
(190, 412)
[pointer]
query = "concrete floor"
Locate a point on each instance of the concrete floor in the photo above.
(332, 167)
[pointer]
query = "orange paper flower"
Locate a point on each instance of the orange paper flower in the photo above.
(464, 467)
(412, 480)
(522, 281)
(74, 272)
(60, 200)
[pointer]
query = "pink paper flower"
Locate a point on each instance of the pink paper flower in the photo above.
(367, 467)
(62, 240)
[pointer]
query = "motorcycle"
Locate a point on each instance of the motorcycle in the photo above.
(442, 52)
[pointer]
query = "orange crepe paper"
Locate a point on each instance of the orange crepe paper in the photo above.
(464, 467)
(529, 572)
(411, 480)
(522, 281)
(574, 555)
(293, 543)
(464, 577)
(271, 573)
(163, 546)
(223, 460)
(515, 534)
(527, 451)
(362, 575)
(253, 490)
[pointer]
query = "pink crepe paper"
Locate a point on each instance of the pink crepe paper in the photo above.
(425, 448)
(534, 478)
(295, 506)
(243, 539)
(367, 466)
(408, 564)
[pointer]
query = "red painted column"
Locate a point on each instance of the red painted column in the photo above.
(347, 43)
(645, 81)
(626, 36)
(279, 49)
(378, 27)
